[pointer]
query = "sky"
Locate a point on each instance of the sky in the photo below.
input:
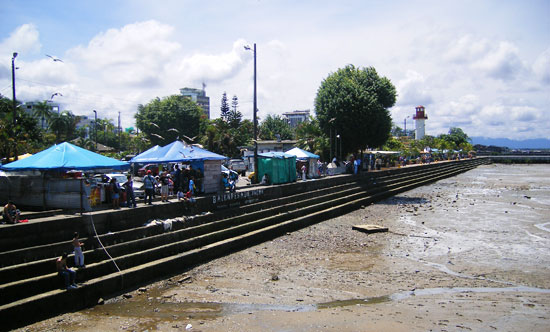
(483, 66)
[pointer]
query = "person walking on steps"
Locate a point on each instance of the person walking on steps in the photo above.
(78, 255)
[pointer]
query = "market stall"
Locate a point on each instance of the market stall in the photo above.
(202, 161)
(53, 178)
(279, 166)
(307, 158)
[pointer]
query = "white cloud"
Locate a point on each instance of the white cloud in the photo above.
(214, 68)
(541, 67)
(24, 39)
(498, 60)
(135, 55)
(413, 90)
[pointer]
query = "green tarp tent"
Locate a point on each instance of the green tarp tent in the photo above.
(279, 166)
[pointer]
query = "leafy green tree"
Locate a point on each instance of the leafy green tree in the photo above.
(354, 103)
(25, 137)
(311, 138)
(234, 117)
(221, 138)
(393, 144)
(457, 136)
(274, 127)
(224, 107)
(167, 119)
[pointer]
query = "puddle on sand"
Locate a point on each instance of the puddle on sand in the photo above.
(345, 303)
(161, 308)
(428, 292)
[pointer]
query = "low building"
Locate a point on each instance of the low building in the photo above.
(294, 118)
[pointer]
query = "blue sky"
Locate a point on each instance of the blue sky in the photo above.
(483, 66)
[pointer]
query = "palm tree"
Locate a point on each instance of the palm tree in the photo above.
(59, 123)
(43, 111)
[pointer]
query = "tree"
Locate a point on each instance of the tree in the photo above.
(224, 108)
(59, 123)
(457, 136)
(167, 119)
(354, 103)
(234, 117)
(42, 111)
(311, 138)
(275, 127)
(225, 140)
(25, 137)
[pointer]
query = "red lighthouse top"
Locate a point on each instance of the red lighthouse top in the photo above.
(420, 113)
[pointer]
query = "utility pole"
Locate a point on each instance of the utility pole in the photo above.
(14, 105)
(95, 129)
(119, 132)
(255, 118)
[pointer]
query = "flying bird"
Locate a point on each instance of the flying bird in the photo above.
(155, 125)
(54, 58)
(191, 139)
(173, 129)
(157, 135)
(56, 94)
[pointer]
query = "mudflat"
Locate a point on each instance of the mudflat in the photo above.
(468, 253)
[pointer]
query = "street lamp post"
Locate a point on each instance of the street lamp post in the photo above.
(14, 104)
(340, 139)
(405, 126)
(95, 129)
(254, 118)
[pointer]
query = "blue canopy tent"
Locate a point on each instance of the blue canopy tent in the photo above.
(308, 158)
(149, 151)
(175, 152)
(65, 157)
(200, 159)
(56, 192)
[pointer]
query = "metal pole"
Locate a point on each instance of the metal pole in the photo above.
(405, 130)
(95, 129)
(14, 104)
(255, 123)
(119, 137)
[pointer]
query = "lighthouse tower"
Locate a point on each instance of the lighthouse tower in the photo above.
(419, 119)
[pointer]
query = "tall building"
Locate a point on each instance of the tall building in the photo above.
(294, 118)
(198, 96)
(419, 119)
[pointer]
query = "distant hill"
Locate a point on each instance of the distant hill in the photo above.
(538, 143)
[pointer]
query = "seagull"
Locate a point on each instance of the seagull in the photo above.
(173, 129)
(56, 94)
(156, 125)
(53, 58)
(157, 135)
(191, 139)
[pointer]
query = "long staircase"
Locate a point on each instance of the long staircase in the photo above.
(29, 283)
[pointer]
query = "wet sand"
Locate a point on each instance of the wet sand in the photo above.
(468, 253)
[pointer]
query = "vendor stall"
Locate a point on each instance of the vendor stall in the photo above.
(279, 166)
(44, 180)
(307, 158)
(202, 161)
